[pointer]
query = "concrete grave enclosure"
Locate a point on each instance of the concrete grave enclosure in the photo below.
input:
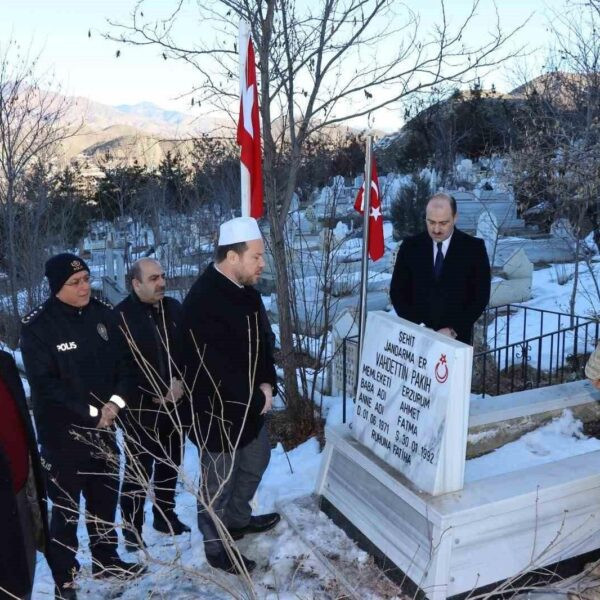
(396, 473)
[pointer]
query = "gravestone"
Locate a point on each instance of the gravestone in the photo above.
(109, 261)
(516, 287)
(518, 266)
(487, 230)
(311, 217)
(433, 182)
(120, 271)
(412, 401)
(344, 330)
(562, 229)
(464, 170)
(295, 203)
(340, 231)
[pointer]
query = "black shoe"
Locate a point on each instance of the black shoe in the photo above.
(256, 524)
(223, 562)
(170, 525)
(133, 542)
(117, 568)
(64, 593)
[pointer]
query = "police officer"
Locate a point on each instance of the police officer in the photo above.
(151, 323)
(78, 386)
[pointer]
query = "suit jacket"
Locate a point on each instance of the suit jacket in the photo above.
(14, 574)
(152, 330)
(460, 295)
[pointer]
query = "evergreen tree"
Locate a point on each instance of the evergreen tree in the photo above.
(408, 209)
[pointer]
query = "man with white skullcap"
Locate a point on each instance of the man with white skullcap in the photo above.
(231, 374)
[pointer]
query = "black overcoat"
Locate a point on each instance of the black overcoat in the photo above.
(229, 353)
(457, 299)
(156, 333)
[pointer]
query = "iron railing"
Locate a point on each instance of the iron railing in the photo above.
(521, 347)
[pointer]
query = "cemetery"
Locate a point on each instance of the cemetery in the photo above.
(410, 418)
(403, 464)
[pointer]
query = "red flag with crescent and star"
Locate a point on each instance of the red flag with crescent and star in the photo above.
(248, 137)
(376, 246)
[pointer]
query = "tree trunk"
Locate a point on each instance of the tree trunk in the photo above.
(12, 250)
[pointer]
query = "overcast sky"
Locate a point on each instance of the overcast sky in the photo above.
(87, 66)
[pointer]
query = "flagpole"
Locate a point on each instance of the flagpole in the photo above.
(362, 315)
(244, 36)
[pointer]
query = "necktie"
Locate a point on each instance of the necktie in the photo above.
(439, 261)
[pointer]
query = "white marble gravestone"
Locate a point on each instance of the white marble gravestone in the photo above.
(340, 231)
(412, 401)
(487, 229)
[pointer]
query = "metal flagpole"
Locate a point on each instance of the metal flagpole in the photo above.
(362, 315)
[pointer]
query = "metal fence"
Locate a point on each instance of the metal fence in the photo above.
(521, 347)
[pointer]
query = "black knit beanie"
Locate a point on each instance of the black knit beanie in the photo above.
(60, 267)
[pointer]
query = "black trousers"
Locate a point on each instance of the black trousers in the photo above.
(148, 450)
(98, 481)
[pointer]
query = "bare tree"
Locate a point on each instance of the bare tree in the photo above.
(321, 64)
(32, 124)
(559, 163)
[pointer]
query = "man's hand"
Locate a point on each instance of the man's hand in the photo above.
(175, 391)
(108, 414)
(267, 390)
(596, 383)
(448, 331)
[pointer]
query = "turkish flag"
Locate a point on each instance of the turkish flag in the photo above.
(376, 247)
(248, 137)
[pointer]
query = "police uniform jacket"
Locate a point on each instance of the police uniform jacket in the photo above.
(14, 575)
(457, 298)
(155, 333)
(229, 354)
(74, 364)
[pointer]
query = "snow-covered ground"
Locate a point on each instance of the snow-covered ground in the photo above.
(550, 295)
(279, 554)
(561, 438)
(287, 569)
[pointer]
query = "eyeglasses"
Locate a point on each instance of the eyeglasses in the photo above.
(86, 279)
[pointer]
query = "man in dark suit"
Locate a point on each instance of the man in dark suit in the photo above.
(153, 442)
(23, 518)
(442, 276)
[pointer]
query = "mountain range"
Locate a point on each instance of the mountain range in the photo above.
(144, 132)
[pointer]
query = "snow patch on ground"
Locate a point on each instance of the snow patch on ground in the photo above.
(561, 438)
(177, 567)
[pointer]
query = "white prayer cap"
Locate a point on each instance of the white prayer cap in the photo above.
(240, 229)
